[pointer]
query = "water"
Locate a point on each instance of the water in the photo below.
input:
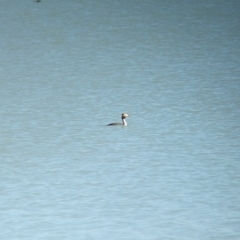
(68, 68)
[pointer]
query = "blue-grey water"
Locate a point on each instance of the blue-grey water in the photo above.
(68, 68)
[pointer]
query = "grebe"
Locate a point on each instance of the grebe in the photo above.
(124, 123)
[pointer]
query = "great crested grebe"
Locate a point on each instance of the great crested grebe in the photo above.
(124, 123)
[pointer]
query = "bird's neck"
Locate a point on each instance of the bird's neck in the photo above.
(124, 121)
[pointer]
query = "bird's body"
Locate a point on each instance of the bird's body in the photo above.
(124, 122)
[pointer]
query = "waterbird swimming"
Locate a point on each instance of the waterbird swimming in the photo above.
(124, 122)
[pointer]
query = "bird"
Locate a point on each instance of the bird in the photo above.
(124, 123)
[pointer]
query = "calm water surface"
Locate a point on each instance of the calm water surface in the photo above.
(68, 68)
